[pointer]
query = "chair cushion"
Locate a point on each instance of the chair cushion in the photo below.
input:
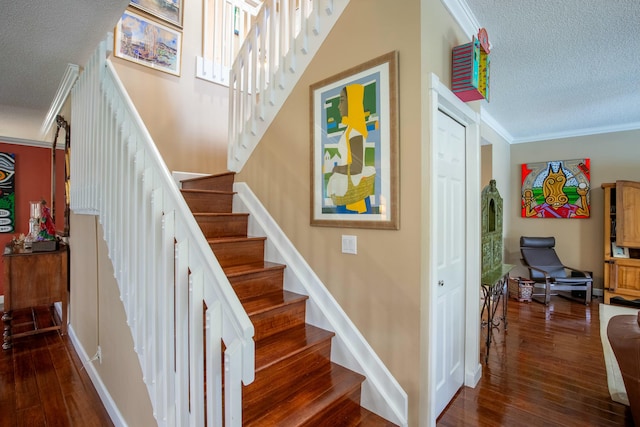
(545, 259)
(537, 242)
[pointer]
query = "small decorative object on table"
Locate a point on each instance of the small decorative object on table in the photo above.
(520, 288)
(42, 232)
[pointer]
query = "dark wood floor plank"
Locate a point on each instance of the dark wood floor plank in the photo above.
(31, 417)
(42, 382)
(53, 402)
(26, 386)
(547, 369)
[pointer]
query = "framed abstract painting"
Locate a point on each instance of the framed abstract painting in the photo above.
(7, 192)
(354, 147)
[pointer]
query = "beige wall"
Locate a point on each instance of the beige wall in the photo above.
(496, 157)
(579, 242)
(97, 318)
(186, 117)
(380, 287)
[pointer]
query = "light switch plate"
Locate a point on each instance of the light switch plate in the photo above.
(349, 244)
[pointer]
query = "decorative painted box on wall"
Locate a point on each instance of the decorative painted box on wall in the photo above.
(470, 79)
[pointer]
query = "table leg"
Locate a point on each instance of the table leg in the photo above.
(7, 318)
(505, 299)
(486, 292)
(492, 296)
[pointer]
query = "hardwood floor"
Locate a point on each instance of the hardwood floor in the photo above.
(546, 370)
(42, 382)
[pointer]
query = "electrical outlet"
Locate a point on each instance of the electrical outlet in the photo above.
(349, 244)
(99, 355)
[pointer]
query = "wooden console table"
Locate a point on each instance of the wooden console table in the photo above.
(32, 280)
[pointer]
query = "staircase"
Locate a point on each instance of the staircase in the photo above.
(296, 383)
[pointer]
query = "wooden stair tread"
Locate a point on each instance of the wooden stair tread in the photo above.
(351, 414)
(256, 267)
(267, 302)
(369, 419)
(296, 383)
(233, 239)
(276, 347)
(219, 214)
(216, 181)
(205, 177)
(199, 191)
(315, 393)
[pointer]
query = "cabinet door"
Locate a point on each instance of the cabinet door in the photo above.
(627, 209)
(624, 276)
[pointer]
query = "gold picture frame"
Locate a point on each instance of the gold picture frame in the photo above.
(170, 11)
(144, 41)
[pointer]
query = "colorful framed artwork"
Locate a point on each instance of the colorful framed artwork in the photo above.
(556, 189)
(7, 192)
(167, 10)
(354, 147)
(146, 42)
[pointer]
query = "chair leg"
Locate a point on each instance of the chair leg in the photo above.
(547, 294)
(587, 297)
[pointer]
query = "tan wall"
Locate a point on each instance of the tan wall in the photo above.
(580, 241)
(486, 165)
(496, 166)
(97, 318)
(186, 117)
(379, 288)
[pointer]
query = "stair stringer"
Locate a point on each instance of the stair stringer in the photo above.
(381, 393)
(246, 131)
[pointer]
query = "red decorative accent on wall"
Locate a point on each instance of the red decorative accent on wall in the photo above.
(33, 182)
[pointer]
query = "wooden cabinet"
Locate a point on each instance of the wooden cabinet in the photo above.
(31, 280)
(621, 242)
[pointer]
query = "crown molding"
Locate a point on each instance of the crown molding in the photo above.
(25, 142)
(463, 16)
(68, 80)
(578, 132)
(488, 120)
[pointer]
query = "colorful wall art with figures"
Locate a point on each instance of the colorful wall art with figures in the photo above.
(556, 189)
(7, 192)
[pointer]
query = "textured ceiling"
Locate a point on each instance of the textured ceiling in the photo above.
(558, 68)
(562, 68)
(39, 38)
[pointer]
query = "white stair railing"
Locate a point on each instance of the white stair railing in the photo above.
(165, 270)
(225, 24)
(284, 37)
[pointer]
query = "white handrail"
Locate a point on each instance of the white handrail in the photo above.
(158, 251)
(284, 37)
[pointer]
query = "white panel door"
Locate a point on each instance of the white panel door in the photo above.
(450, 258)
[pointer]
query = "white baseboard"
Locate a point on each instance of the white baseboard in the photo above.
(105, 397)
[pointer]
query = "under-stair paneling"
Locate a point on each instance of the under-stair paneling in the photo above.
(98, 318)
